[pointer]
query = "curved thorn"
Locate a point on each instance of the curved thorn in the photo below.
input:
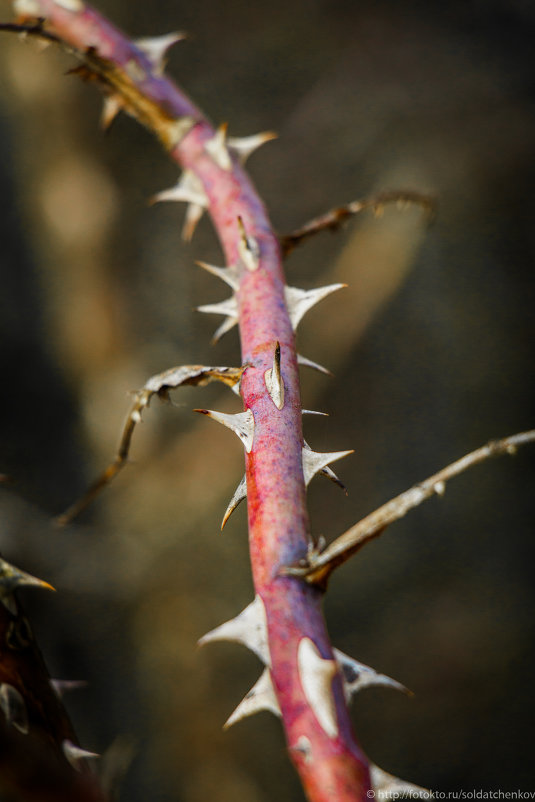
(12, 578)
(239, 495)
(260, 697)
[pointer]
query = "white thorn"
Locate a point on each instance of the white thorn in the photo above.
(216, 147)
(188, 189)
(260, 697)
(316, 675)
(356, 676)
(308, 363)
(274, 381)
(389, 787)
(241, 423)
(314, 462)
(248, 628)
(14, 707)
(440, 488)
(228, 307)
(239, 495)
(194, 212)
(230, 275)
(113, 104)
(245, 146)
(155, 48)
(314, 412)
(248, 248)
(300, 301)
(75, 754)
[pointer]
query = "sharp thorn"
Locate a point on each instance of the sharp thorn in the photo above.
(314, 412)
(245, 146)
(12, 578)
(314, 461)
(182, 191)
(216, 147)
(300, 301)
(229, 274)
(113, 104)
(228, 307)
(156, 47)
(241, 423)
(75, 754)
(356, 676)
(330, 474)
(260, 697)
(239, 495)
(308, 363)
(248, 628)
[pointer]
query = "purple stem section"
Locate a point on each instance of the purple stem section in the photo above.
(331, 765)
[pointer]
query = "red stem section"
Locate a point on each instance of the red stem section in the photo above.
(328, 758)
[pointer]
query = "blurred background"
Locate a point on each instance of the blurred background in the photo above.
(431, 347)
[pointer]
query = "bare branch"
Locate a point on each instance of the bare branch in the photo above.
(317, 567)
(335, 217)
(160, 384)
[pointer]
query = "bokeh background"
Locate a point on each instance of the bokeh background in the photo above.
(431, 348)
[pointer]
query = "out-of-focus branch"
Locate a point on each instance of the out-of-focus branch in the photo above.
(40, 758)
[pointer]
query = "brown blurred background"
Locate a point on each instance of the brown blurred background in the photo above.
(431, 347)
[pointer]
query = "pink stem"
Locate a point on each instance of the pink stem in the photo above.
(330, 762)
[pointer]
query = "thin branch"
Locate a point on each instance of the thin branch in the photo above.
(317, 567)
(160, 385)
(335, 217)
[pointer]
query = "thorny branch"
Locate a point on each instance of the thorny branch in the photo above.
(305, 681)
(317, 567)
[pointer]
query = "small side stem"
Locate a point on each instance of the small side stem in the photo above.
(317, 568)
